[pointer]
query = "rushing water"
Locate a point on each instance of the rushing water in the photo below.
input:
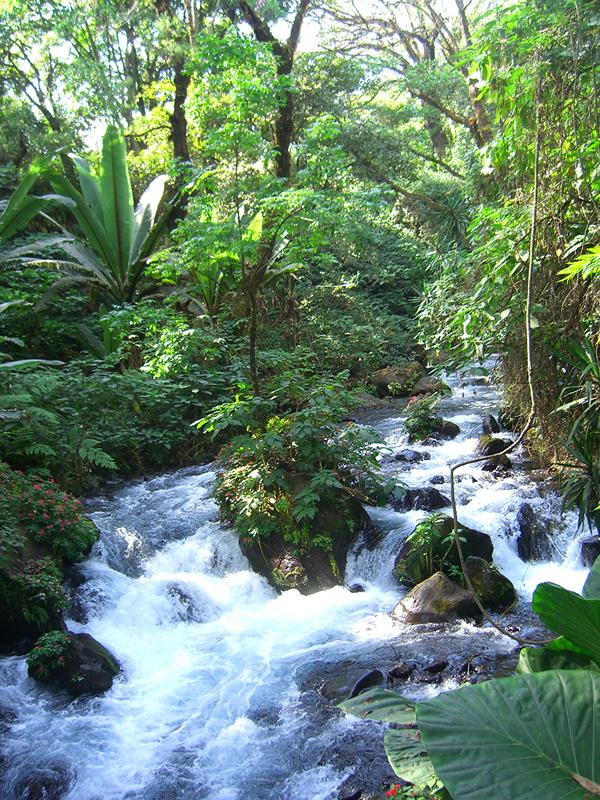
(221, 694)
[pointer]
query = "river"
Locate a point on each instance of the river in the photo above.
(226, 690)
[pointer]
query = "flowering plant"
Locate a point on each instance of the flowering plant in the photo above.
(49, 655)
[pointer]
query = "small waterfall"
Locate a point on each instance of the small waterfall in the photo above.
(220, 693)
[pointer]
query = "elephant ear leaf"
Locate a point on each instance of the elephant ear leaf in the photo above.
(591, 588)
(575, 617)
(530, 737)
(381, 705)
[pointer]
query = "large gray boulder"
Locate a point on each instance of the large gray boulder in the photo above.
(397, 381)
(494, 589)
(437, 599)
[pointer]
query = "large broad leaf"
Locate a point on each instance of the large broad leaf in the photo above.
(116, 196)
(382, 705)
(571, 615)
(541, 659)
(531, 737)
(591, 588)
(145, 214)
(90, 188)
(22, 207)
(408, 759)
(28, 363)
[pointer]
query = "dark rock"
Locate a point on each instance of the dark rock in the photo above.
(429, 384)
(430, 441)
(427, 499)
(397, 381)
(356, 588)
(370, 401)
(590, 550)
(412, 456)
(49, 782)
(436, 667)
(88, 667)
(438, 479)
(411, 567)
(491, 445)
(436, 599)
(495, 590)
(490, 425)
(351, 682)
(401, 671)
(533, 543)
(7, 717)
(446, 429)
(497, 464)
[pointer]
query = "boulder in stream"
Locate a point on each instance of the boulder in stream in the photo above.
(430, 547)
(533, 543)
(409, 456)
(495, 590)
(491, 445)
(497, 464)
(590, 550)
(490, 425)
(396, 381)
(78, 663)
(436, 599)
(45, 782)
(429, 384)
(427, 499)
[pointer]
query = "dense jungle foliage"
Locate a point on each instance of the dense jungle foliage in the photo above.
(220, 220)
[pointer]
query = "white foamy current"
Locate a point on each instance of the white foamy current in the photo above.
(219, 694)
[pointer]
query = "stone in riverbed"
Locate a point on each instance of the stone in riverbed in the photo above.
(87, 668)
(533, 543)
(413, 564)
(590, 550)
(397, 381)
(497, 464)
(427, 499)
(45, 782)
(490, 425)
(436, 599)
(409, 456)
(491, 445)
(429, 384)
(495, 590)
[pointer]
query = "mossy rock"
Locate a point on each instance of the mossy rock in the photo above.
(436, 599)
(397, 381)
(495, 590)
(413, 564)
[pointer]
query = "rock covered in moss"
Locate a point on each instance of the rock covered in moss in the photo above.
(491, 445)
(397, 381)
(430, 547)
(75, 662)
(494, 589)
(436, 599)
(429, 384)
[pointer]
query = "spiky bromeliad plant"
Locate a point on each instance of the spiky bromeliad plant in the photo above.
(118, 236)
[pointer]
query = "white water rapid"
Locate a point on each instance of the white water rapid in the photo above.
(221, 695)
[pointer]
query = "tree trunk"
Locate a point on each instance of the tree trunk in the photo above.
(252, 335)
(178, 120)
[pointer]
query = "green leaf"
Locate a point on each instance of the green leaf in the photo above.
(116, 196)
(382, 705)
(530, 737)
(591, 588)
(145, 214)
(571, 615)
(541, 659)
(407, 758)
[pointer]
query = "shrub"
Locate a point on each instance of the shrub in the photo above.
(32, 593)
(49, 655)
(421, 419)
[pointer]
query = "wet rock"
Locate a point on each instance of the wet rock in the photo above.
(351, 682)
(438, 479)
(491, 445)
(429, 384)
(311, 569)
(7, 717)
(356, 588)
(495, 590)
(436, 667)
(436, 599)
(49, 782)
(490, 425)
(590, 550)
(497, 464)
(533, 543)
(426, 499)
(412, 456)
(401, 671)
(413, 563)
(397, 381)
(446, 430)
(88, 667)
(370, 401)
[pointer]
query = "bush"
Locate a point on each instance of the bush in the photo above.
(282, 469)
(31, 595)
(421, 419)
(48, 655)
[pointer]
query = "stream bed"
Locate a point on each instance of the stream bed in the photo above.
(229, 690)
